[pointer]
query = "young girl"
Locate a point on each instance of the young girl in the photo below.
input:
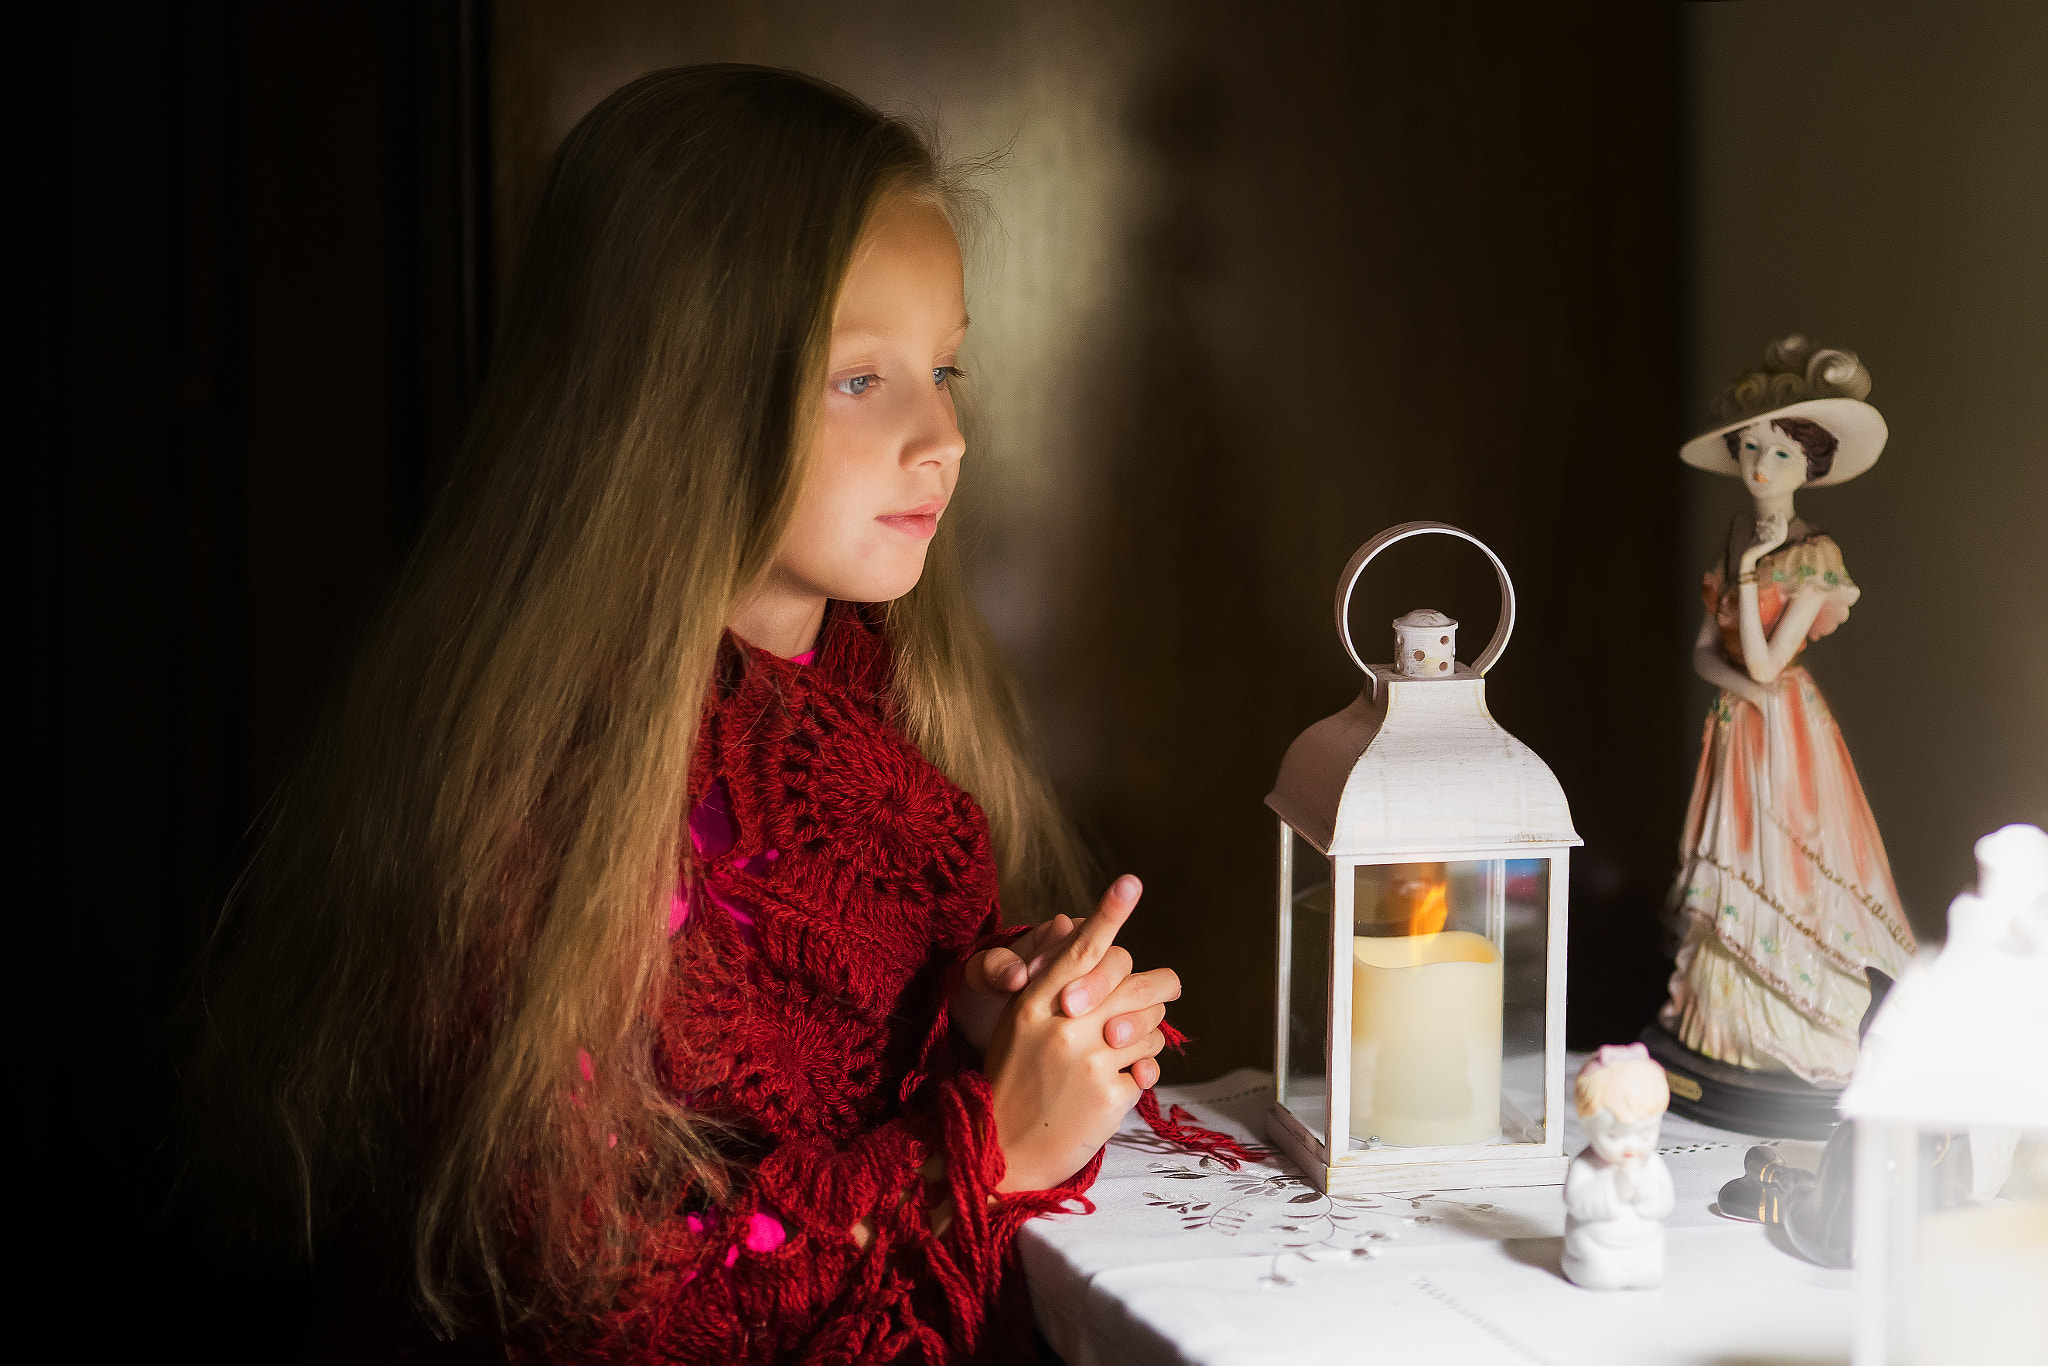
(628, 950)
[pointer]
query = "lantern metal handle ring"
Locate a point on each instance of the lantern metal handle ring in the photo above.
(1348, 580)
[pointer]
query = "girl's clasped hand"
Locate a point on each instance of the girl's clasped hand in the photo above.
(1069, 1036)
(1074, 1044)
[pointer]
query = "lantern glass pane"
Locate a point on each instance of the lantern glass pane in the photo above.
(1448, 1002)
(1963, 1252)
(1308, 987)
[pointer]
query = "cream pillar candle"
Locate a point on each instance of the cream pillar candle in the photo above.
(1425, 1038)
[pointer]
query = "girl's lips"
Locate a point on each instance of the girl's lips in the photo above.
(921, 522)
(923, 525)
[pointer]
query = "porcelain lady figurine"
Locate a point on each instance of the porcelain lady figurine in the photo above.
(1617, 1194)
(1784, 896)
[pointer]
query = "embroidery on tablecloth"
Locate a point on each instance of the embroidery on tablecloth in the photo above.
(1310, 1225)
(1264, 1200)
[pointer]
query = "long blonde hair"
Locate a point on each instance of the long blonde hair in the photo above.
(461, 889)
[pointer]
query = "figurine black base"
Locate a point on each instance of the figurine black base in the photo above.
(1766, 1104)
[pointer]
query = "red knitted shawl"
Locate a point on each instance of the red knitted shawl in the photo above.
(826, 1041)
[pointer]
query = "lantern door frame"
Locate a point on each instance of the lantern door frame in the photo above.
(1358, 1170)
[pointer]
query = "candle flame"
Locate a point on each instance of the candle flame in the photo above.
(1431, 909)
(1415, 899)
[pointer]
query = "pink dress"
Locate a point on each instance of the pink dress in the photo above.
(1784, 888)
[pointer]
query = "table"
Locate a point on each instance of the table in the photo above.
(1185, 1261)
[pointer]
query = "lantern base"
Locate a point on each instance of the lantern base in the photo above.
(1362, 1171)
(1742, 1099)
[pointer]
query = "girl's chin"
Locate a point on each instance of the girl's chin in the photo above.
(873, 587)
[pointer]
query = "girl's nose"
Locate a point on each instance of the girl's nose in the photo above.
(935, 438)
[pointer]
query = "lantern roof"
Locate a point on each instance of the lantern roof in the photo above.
(1963, 1040)
(1417, 765)
(1423, 768)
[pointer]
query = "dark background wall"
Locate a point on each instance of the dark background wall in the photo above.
(247, 272)
(1256, 287)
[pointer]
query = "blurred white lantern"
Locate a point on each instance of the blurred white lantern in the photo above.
(1420, 1030)
(1950, 1102)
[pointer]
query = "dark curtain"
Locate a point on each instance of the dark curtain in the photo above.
(250, 258)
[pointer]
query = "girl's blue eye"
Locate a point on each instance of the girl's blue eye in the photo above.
(1749, 445)
(943, 373)
(858, 385)
(1784, 455)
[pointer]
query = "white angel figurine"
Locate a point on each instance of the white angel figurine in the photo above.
(1618, 1191)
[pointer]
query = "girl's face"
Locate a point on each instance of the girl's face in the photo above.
(1773, 464)
(890, 445)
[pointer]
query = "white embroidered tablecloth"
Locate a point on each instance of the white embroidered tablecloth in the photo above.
(1187, 1262)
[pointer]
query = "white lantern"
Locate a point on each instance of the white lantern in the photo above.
(1420, 1026)
(1950, 1103)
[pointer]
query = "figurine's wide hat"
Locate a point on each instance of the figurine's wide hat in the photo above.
(1797, 380)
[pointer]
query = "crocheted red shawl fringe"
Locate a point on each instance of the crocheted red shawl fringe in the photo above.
(1178, 1127)
(826, 1041)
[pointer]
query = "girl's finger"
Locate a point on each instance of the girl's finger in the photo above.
(1039, 946)
(1087, 945)
(1051, 944)
(1121, 1029)
(1100, 981)
(1002, 970)
(1148, 1045)
(1145, 1072)
(1133, 991)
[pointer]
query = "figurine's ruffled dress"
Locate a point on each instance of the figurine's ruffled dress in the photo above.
(1785, 891)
